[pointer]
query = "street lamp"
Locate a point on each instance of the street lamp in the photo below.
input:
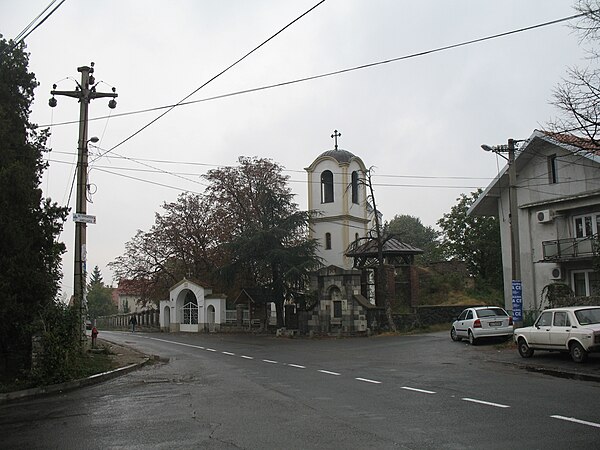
(517, 287)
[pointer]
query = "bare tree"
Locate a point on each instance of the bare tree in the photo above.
(381, 287)
(578, 96)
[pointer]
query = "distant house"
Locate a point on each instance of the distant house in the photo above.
(127, 296)
(558, 200)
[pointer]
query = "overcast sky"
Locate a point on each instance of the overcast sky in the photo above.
(419, 122)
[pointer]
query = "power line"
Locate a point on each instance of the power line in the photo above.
(153, 169)
(24, 34)
(179, 175)
(162, 171)
(147, 181)
(192, 163)
(329, 74)
(18, 36)
(214, 77)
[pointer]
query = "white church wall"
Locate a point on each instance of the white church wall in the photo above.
(171, 311)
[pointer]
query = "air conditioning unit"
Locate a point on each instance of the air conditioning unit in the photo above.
(545, 216)
(557, 273)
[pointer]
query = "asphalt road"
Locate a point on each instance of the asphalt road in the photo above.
(238, 391)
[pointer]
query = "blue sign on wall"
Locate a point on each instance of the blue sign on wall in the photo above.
(517, 300)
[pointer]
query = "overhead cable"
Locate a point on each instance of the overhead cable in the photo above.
(170, 108)
(329, 74)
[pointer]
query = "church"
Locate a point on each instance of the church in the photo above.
(342, 291)
(337, 194)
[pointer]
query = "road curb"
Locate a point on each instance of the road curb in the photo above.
(75, 384)
(554, 372)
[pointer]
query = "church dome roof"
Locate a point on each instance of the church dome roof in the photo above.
(341, 156)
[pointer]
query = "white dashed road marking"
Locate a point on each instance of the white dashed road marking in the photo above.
(497, 405)
(366, 380)
(329, 372)
(297, 366)
(417, 390)
(228, 353)
(270, 361)
(573, 419)
(211, 349)
(178, 343)
(247, 357)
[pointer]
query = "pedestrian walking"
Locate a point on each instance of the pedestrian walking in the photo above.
(133, 323)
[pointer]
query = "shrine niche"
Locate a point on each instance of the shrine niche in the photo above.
(192, 308)
(340, 306)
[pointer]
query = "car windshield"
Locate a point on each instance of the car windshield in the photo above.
(491, 312)
(588, 316)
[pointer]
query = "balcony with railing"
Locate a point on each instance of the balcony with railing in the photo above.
(571, 248)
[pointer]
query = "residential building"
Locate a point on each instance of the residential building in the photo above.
(128, 295)
(558, 203)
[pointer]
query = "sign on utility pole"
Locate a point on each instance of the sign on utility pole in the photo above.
(84, 218)
(84, 92)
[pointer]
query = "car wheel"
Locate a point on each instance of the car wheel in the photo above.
(472, 339)
(524, 350)
(455, 337)
(578, 353)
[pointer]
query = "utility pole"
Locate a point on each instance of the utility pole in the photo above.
(515, 248)
(516, 283)
(84, 92)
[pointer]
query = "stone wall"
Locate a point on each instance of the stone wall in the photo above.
(145, 320)
(428, 315)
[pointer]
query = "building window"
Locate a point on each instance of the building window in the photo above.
(336, 298)
(327, 241)
(585, 283)
(552, 170)
(337, 309)
(355, 187)
(327, 187)
(587, 226)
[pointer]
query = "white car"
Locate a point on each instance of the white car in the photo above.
(482, 322)
(575, 330)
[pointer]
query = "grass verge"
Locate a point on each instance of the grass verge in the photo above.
(85, 365)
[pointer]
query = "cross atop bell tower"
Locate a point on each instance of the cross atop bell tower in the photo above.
(336, 134)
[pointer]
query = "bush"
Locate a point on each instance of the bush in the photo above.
(58, 347)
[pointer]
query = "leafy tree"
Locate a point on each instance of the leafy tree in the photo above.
(182, 242)
(99, 297)
(245, 231)
(263, 232)
(410, 229)
(475, 240)
(578, 97)
(29, 224)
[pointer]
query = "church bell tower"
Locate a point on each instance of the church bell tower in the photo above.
(337, 193)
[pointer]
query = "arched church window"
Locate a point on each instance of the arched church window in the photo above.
(355, 187)
(327, 187)
(190, 309)
(327, 241)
